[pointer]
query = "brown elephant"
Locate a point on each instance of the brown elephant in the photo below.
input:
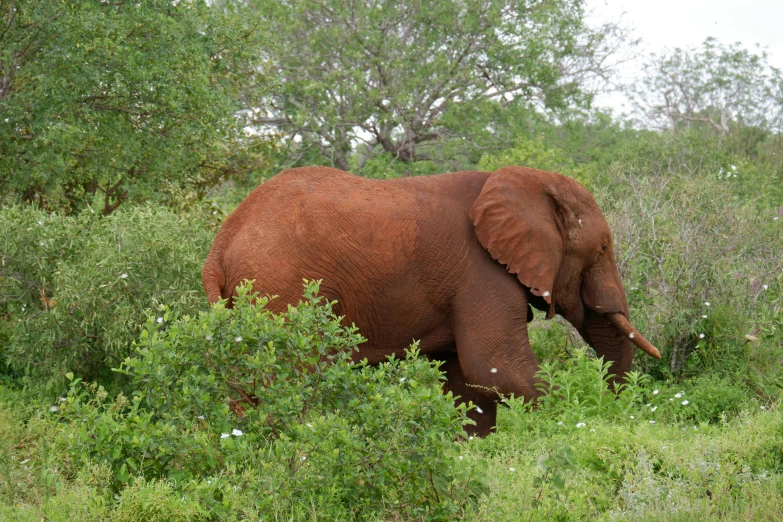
(453, 260)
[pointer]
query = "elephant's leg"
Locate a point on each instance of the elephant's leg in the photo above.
(490, 332)
(485, 412)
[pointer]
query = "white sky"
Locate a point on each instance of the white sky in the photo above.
(665, 24)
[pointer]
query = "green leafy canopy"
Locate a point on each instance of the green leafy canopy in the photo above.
(373, 78)
(103, 102)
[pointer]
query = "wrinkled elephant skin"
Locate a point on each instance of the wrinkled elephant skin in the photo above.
(454, 261)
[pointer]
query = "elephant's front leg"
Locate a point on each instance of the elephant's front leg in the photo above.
(485, 412)
(490, 333)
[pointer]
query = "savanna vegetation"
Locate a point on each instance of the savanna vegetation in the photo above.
(129, 130)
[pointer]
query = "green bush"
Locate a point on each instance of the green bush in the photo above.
(73, 289)
(702, 272)
(577, 391)
(579, 394)
(154, 501)
(277, 401)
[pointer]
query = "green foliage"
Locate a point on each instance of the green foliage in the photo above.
(718, 87)
(154, 501)
(551, 466)
(401, 79)
(535, 153)
(73, 288)
(585, 452)
(276, 401)
(746, 162)
(701, 272)
(103, 102)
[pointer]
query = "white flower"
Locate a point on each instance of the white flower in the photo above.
(303, 458)
(703, 316)
(649, 404)
(763, 407)
(310, 426)
(512, 469)
(701, 336)
(460, 457)
(765, 287)
(652, 422)
(706, 303)
(238, 339)
(123, 276)
(632, 416)
(470, 438)
(225, 435)
(479, 410)
(685, 402)
(494, 370)
(677, 395)
(237, 433)
(208, 338)
(159, 319)
(62, 399)
(560, 423)
(655, 392)
(592, 430)
(671, 399)
(654, 408)
(54, 409)
(580, 424)
(402, 380)
(200, 417)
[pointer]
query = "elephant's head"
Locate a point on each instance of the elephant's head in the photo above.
(548, 230)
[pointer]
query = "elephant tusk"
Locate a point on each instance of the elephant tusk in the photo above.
(627, 328)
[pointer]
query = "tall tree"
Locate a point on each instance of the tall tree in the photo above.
(716, 86)
(106, 101)
(366, 77)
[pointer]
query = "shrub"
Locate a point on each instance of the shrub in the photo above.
(702, 273)
(577, 390)
(73, 289)
(579, 394)
(278, 400)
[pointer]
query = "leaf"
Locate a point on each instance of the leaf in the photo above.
(543, 460)
(122, 474)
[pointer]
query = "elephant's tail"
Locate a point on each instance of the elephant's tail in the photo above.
(214, 278)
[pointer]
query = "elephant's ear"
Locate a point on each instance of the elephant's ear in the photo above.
(519, 217)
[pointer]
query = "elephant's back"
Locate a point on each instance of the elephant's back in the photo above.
(319, 223)
(324, 204)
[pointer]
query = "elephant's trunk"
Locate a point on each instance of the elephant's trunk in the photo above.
(622, 324)
(610, 343)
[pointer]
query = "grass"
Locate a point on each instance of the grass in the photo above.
(635, 470)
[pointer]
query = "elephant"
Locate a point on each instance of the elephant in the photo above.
(454, 261)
